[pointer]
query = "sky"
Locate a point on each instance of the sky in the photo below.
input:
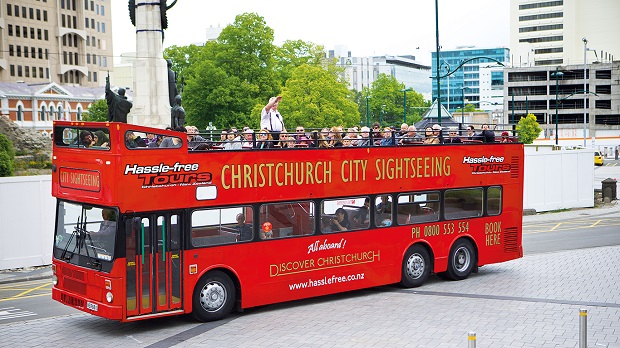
(392, 27)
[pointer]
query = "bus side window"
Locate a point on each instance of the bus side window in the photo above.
(383, 211)
(285, 220)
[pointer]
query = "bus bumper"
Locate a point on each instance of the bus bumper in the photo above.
(100, 309)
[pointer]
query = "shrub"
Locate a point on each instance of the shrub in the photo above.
(7, 146)
(6, 164)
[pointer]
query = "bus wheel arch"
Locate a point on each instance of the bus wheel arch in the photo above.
(462, 260)
(214, 295)
(417, 266)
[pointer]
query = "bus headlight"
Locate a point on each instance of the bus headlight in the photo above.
(54, 280)
(109, 297)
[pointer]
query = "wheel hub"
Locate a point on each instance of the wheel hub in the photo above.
(415, 266)
(213, 296)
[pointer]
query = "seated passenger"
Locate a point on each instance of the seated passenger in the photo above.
(411, 136)
(173, 141)
(86, 138)
(431, 136)
(233, 140)
(505, 138)
(385, 206)
(101, 139)
(340, 222)
(244, 230)
(488, 135)
(453, 137)
(365, 137)
(388, 138)
(362, 216)
(133, 141)
(265, 140)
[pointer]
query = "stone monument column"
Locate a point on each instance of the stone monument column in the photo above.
(150, 87)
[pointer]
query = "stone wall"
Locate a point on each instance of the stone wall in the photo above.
(25, 141)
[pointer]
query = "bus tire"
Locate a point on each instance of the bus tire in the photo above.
(462, 260)
(214, 296)
(416, 267)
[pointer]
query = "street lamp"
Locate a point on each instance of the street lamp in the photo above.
(463, 103)
(367, 112)
(557, 74)
(405, 102)
(585, 87)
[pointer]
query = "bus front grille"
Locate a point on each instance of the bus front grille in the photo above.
(71, 301)
(74, 286)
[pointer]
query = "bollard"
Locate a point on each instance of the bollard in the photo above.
(583, 328)
(471, 340)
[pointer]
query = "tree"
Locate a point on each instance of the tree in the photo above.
(386, 100)
(182, 57)
(7, 146)
(97, 112)
(528, 129)
(234, 74)
(314, 97)
(295, 53)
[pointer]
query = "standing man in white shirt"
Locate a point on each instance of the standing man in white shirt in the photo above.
(271, 119)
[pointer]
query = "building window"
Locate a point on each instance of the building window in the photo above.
(34, 71)
(75, 22)
(102, 10)
(31, 10)
(104, 61)
(24, 14)
(25, 52)
(32, 33)
(92, 23)
(19, 51)
(11, 51)
(19, 71)
(39, 34)
(95, 76)
(44, 15)
(17, 31)
(12, 69)
(10, 29)
(9, 10)
(87, 40)
(20, 113)
(62, 19)
(42, 113)
(79, 113)
(103, 27)
(38, 14)
(46, 35)
(92, 41)
(26, 72)
(64, 57)
(87, 22)
(40, 53)
(87, 58)
(41, 72)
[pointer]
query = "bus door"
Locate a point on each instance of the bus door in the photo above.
(153, 253)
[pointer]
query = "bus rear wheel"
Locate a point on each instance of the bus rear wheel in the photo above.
(214, 296)
(416, 267)
(462, 260)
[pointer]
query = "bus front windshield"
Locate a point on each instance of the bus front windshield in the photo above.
(85, 234)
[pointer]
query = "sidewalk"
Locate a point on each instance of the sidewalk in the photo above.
(607, 210)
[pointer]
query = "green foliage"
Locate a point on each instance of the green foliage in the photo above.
(234, 74)
(293, 54)
(6, 146)
(6, 164)
(182, 58)
(314, 97)
(97, 112)
(386, 102)
(528, 129)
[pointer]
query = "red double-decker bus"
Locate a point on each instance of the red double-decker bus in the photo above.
(145, 231)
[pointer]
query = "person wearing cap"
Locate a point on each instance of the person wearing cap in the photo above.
(430, 136)
(271, 119)
(411, 137)
(505, 137)
(365, 137)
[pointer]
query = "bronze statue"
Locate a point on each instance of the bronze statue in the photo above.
(118, 105)
(178, 113)
(172, 83)
(163, 7)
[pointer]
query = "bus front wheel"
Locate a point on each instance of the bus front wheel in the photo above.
(462, 260)
(214, 296)
(416, 267)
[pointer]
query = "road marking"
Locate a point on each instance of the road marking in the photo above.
(12, 313)
(596, 223)
(29, 290)
(556, 226)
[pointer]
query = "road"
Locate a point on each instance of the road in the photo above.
(32, 300)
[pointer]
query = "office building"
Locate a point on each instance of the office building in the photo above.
(68, 42)
(476, 80)
(550, 33)
(361, 72)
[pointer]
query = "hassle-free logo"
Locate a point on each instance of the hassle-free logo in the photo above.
(487, 165)
(164, 174)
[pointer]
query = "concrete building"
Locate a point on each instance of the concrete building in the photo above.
(549, 33)
(64, 41)
(361, 72)
(533, 90)
(479, 82)
(36, 106)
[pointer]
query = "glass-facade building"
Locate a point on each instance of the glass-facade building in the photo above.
(479, 81)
